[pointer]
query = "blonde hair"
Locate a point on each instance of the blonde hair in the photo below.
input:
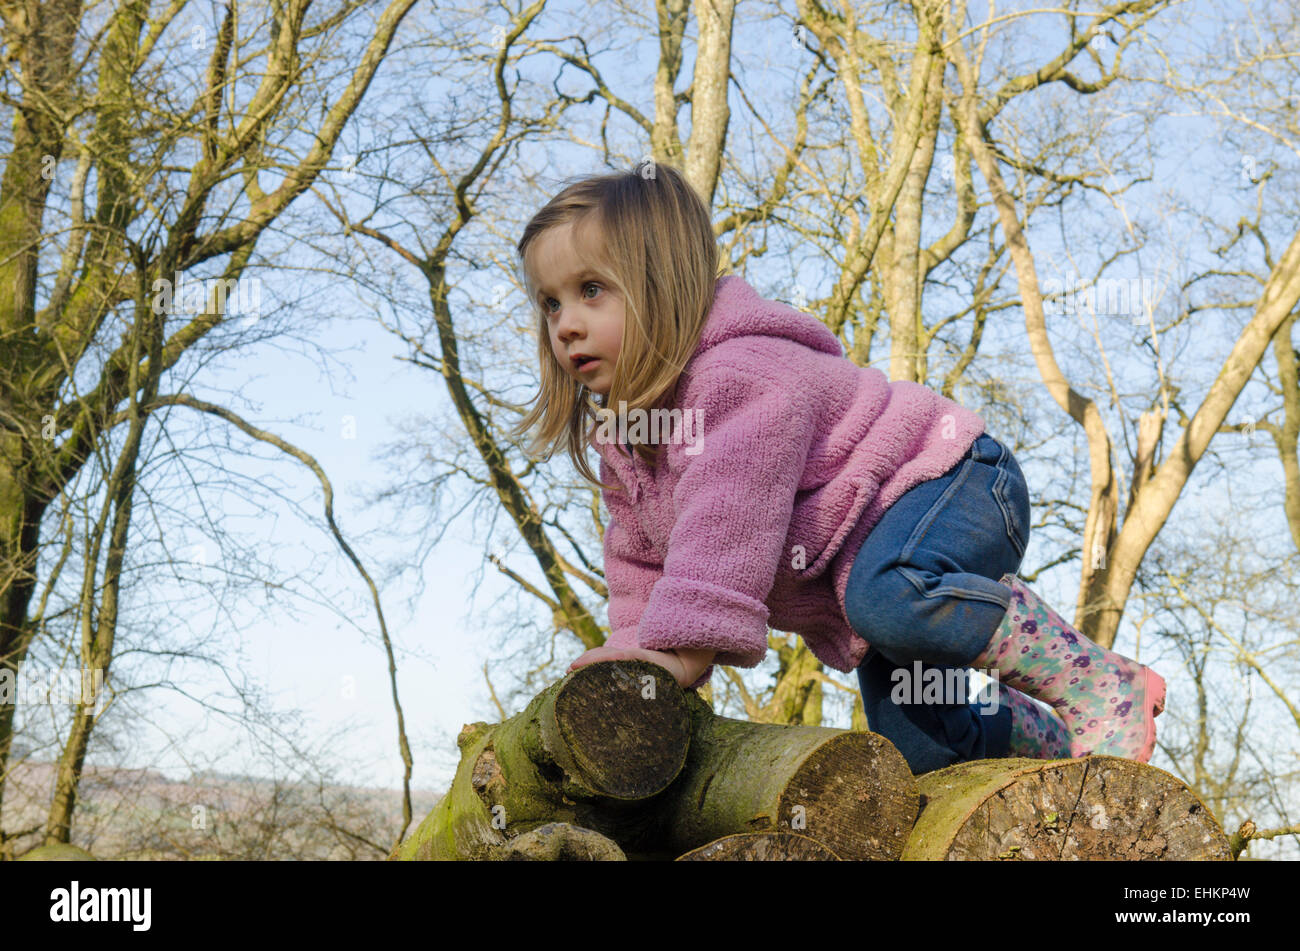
(648, 234)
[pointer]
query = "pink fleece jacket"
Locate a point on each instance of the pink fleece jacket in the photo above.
(753, 520)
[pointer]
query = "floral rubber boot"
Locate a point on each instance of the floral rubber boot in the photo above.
(1107, 702)
(1036, 732)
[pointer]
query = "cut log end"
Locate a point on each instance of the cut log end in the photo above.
(762, 847)
(623, 728)
(1097, 807)
(855, 795)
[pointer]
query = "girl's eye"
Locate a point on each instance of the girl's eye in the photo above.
(546, 303)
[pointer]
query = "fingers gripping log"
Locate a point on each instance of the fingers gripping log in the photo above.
(851, 791)
(1097, 807)
(586, 752)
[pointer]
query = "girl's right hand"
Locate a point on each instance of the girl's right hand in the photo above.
(666, 659)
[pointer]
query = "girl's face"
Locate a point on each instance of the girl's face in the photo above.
(584, 316)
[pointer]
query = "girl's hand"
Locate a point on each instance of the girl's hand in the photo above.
(686, 668)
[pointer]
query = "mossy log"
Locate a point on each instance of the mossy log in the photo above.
(762, 847)
(1097, 807)
(588, 751)
(560, 842)
(851, 791)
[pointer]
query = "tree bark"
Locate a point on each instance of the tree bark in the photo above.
(560, 842)
(1099, 807)
(853, 792)
(586, 751)
(606, 749)
(709, 111)
(762, 847)
(1287, 436)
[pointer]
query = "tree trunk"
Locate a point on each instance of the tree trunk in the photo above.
(20, 517)
(1099, 807)
(797, 699)
(710, 114)
(1287, 436)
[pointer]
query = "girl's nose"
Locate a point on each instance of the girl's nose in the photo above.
(568, 324)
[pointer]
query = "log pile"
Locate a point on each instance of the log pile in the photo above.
(618, 762)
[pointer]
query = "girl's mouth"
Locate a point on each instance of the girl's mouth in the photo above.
(586, 363)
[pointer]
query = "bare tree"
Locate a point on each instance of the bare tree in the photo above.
(1156, 484)
(87, 318)
(1224, 611)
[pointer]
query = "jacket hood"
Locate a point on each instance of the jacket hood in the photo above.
(739, 311)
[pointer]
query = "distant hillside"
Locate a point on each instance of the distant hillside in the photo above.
(141, 814)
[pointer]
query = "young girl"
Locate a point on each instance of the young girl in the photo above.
(756, 477)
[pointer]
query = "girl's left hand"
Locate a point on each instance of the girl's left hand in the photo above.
(684, 672)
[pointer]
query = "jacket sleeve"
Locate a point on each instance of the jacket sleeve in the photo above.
(732, 508)
(631, 568)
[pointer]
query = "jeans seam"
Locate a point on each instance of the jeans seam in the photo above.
(923, 526)
(999, 484)
(914, 577)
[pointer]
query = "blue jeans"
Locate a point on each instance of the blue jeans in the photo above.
(923, 588)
